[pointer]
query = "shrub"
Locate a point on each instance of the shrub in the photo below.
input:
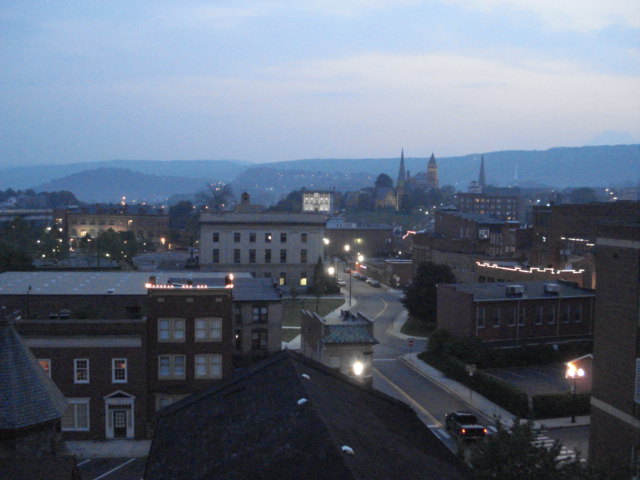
(560, 405)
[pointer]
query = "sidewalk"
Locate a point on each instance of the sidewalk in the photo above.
(109, 448)
(482, 404)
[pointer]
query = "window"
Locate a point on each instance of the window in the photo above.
(76, 416)
(267, 237)
(303, 255)
(216, 256)
(283, 238)
(208, 329)
(236, 255)
(260, 314)
(283, 255)
(480, 317)
(238, 313)
(216, 237)
(496, 317)
(171, 329)
(119, 370)
(566, 314)
(81, 370)
(208, 366)
(513, 311)
(259, 339)
(236, 237)
(267, 255)
(539, 315)
(252, 237)
(577, 313)
(303, 238)
(252, 255)
(45, 363)
(303, 279)
(283, 278)
(171, 367)
(551, 314)
(522, 316)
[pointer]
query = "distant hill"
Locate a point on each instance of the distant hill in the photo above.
(217, 170)
(110, 184)
(154, 180)
(561, 167)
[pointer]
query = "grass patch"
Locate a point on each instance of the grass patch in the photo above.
(291, 309)
(416, 328)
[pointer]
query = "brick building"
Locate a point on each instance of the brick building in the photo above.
(614, 438)
(510, 312)
(504, 207)
(369, 240)
(565, 234)
(117, 371)
(513, 272)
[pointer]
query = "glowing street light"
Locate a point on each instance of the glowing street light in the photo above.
(358, 368)
(574, 374)
(331, 271)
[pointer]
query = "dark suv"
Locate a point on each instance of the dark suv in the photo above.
(465, 425)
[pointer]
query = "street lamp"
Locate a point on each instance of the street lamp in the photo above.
(347, 249)
(331, 271)
(574, 374)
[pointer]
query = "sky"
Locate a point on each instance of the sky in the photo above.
(261, 81)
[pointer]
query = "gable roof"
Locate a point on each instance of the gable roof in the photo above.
(27, 395)
(257, 425)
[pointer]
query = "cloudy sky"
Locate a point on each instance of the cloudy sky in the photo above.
(282, 80)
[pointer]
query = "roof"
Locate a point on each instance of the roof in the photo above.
(111, 209)
(349, 333)
(475, 217)
(127, 283)
(265, 218)
(498, 291)
(27, 395)
(257, 425)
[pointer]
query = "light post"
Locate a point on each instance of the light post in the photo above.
(574, 374)
(347, 248)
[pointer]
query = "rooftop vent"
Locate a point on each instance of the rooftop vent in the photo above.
(552, 288)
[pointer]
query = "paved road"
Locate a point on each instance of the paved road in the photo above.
(112, 468)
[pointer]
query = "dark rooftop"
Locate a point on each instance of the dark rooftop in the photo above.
(348, 333)
(498, 291)
(289, 417)
(27, 395)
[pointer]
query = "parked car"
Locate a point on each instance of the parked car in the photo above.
(464, 425)
(342, 283)
(375, 283)
(347, 270)
(362, 277)
(356, 275)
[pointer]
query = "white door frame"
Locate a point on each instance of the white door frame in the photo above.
(126, 400)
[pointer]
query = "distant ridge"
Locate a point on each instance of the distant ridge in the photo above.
(154, 180)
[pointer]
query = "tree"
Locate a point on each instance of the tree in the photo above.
(384, 181)
(420, 297)
(511, 454)
(291, 203)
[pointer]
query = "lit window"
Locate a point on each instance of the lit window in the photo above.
(45, 363)
(208, 366)
(171, 329)
(81, 370)
(208, 329)
(267, 237)
(171, 367)
(303, 279)
(76, 416)
(119, 370)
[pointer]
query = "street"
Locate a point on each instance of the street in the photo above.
(397, 378)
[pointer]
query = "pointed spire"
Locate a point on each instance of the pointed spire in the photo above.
(402, 176)
(482, 179)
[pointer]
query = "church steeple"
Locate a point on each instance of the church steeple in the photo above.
(482, 181)
(432, 173)
(402, 176)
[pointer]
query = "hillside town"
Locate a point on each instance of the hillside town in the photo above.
(405, 330)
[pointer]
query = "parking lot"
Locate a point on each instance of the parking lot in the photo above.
(112, 468)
